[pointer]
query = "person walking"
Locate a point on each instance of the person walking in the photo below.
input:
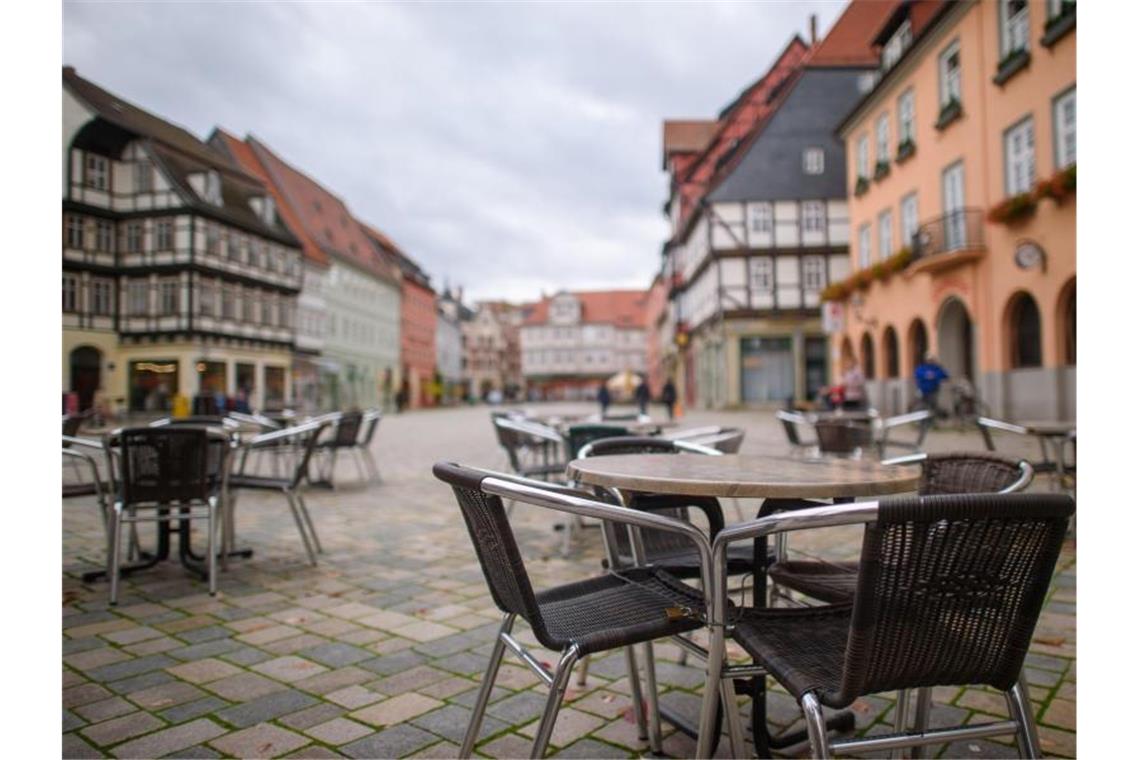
(928, 378)
(603, 398)
(854, 386)
(641, 394)
(669, 397)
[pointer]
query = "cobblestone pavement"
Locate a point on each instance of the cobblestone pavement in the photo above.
(377, 651)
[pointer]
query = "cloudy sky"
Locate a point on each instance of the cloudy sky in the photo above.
(510, 148)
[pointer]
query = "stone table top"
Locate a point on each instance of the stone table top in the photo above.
(1049, 427)
(745, 476)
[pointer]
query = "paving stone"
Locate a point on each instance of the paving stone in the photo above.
(215, 648)
(202, 671)
(408, 680)
(266, 708)
(323, 683)
(464, 663)
(314, 751)
(71, 721)
(293, 644)
(165, 695)
(336, 654)
(338, 731)
(311, 716)
(451, 722)
(95, 658)
(76, 747)
(1061, 713)
(507, 745)
(120, 729)
(289, 669)
(104, 709)
(191, 710)
(467, 698)
(138, 683)
(444, 749)
(129, 668)
(266, 635)
(571, 725)
(206, 633)
(262, 740)
(354, 697)
(393, 663)
(448, 687)
(153, 646)
(246, 656)
(84, 694)
(132, 635)
(75, 646)
(397, 741)
(518, 708)
(591, 748)
(396, 709)
(197, 751)
(244, 686)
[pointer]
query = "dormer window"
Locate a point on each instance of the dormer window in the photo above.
(96, 174)
(813, 160)
(212, 189)
(265, 209)
(896, 45)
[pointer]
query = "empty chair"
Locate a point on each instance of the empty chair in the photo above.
(172, 466)
(726, 440)
(619, 609)
(793, 423)
(305, 437)
(345, 434)
(949, 590)
(579, 435)
(845, 438)
(364, 445)
(82, 453)
(533, 450)
(921, 420)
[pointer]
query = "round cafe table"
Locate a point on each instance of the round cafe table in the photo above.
(1053, 436)
(783, 481)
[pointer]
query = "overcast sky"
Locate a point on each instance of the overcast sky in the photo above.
(511, 149)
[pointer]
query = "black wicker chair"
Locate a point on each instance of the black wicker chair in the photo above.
(305, 438)
(620, 609)
(579, 435)
(172, 466)
(847, 438)
(533, 450)
(949, 591)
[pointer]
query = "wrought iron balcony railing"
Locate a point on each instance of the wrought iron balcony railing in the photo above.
(957, 231)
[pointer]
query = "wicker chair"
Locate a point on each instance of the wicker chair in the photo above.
(846, 438)
(305, 437)
(726, 440)
(84, 463)
(949, 591)
(165, 466)
(922, 420)
(579, 435)
(620, 609)
(533, 450)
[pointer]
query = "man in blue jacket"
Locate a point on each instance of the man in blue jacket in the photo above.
(928, 376)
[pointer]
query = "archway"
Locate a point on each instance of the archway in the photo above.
(890, 352)
(86, 366)
(1023, 331)
(846, 351)
(918, 345)
(956, 339)
(867, 348)
(1067, 323)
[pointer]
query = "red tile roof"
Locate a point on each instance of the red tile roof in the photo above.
(849, 42)
(621, 308)
(686, 136)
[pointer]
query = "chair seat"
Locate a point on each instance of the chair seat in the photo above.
(802, 648)
(617, 610)
(832, 582)
(259, 482)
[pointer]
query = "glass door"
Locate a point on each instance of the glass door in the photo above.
(953, 207)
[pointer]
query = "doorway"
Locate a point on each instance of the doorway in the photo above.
(86, 363)
(956, 340)
(767, 370)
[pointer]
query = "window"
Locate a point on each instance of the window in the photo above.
(104, 236)
(1019, 169)
(138, 298)
(273, 260)
(813, 160)
(144, 177)
(1013, 15)
(269, 311)
(206, 298)
(815, 268)
(70, 293)
(814, 216)
(134, 237)
(268, 211)
(886, 238)
(96, 174)
(213, 191)
(865, 246)
(883, 138)
(1025, 332)
(102, 296)
(75, 232)
(229, 310)
(760, 270)
(896, 45)
(248, 302)
(906, 117)
(233, 249)
(950, 75)
(908, 213)
(213, 240)
(761, 217)
(862, 157)
(1065, 129)
(168, 298)
(164, 235)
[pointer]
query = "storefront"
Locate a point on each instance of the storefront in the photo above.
(152, 384)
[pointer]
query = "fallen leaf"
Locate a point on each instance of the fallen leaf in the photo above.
(1051, 641)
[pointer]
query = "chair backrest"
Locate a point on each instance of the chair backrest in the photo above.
(494, 542)
(197, 420)
(308, 444)
(727, 441)
(71, 424)
(347, 429)
(838, 436)
(169, 464)
(969, 472)
(628, 444)
(949, 591)
(371, 422)
(578, 436)
(790, 421)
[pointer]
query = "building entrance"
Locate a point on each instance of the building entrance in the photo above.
(767, 370)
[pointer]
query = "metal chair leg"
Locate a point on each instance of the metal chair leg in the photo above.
(816, 726)
(1021, 711)
(116, 547)
(712, 692)
(301, 528)
(732, 718)
(651, 698)
(308, 521)
(921, 718)
(902, 713)
(635, 694)
(584, 669)
(480, 707)
(554, 702)
(212, 544)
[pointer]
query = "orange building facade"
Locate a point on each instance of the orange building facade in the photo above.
(962, 200)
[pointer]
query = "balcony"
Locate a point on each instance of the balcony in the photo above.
(949, 241)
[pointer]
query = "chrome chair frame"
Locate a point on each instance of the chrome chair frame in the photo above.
(792, 422)
(517, 489)
(923, 417)
(1022, 724)
(368, 425)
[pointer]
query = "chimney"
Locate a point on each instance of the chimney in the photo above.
(812, 25)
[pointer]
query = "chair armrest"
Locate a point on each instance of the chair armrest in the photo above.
(693, 447)
(657, 502)
(277, 435)
(910, 418)
(1008, 427)
(1023, 480)
(87, 443)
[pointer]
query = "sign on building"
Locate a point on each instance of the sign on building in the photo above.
(832, 317)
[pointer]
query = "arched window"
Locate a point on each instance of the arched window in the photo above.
(1067, 322)
(1024, 332)
(868, 349)
(891, 352)
(917, 343)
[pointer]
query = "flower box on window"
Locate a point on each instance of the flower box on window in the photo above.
(951, 112)
(1061, 24)
(900, 260)
(1058, 187)
(862, 185)
(906, 149)
(1013, 209)
(1014, 61)
(864, 278)
(882, 169)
